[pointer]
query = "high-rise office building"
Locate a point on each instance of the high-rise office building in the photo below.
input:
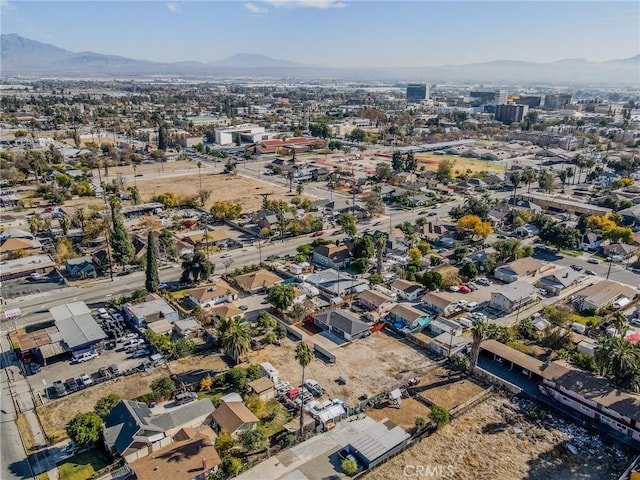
(530, 101)
(417, 92)
(509, 113)
(557, 101)
(500, 97)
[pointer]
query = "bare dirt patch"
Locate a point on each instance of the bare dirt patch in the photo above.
(212, 363)
(370, 365)
(447, 388)
(485, 444)
(235, 188)
(405, 416)
(55, 415)
(25, 432)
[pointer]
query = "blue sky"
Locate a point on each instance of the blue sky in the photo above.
(335, 32)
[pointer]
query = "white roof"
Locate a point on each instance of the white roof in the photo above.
(330, 413)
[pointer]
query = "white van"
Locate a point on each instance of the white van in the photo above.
(470, 307)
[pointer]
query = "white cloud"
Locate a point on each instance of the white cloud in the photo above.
(257, 9)
(173, 7)
(323, 4)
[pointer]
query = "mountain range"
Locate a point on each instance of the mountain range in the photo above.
(22, 56)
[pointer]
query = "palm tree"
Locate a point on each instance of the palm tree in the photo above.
(620, 323)
(529, 176)
(290, 176)
(236, 339)
(304, 355)
(35, 224)
(380, 242)
(602, 355)
(64, 222)
(515, 179)
(200, 174)
(478, 332)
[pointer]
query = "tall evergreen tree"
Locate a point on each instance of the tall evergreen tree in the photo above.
(152, 281)
(123, 250)
(163, 138)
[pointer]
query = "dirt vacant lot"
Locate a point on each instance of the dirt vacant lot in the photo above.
(236, 188)
(405, 416)
(370, 365)
(55, 415)
(447, 388)
(494, 441)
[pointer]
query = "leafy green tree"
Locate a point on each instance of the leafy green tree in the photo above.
(196, 267)
(65, 222)
(348, 467)
(383, 171)
(431, 280)
(163, 138)
(445, 169)
(162, 387)
(266, 321)
(231, 467)
(357, 135)
(440, 415)
(397, 162)
(348, 223)
(304, 356)
(281, 296)
(420, 423)
(152, 280)
(469, 271)
(321, 130)
(84, 429)
(236, 378)
(121, 245)
(224, 444)
(280, 331)
(560, 235)
(410, 162)
(105, 404)
(253, 439)
(236, 340)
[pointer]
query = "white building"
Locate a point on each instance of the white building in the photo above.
(227, 135)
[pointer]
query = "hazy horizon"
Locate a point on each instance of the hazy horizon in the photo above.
(335, 33)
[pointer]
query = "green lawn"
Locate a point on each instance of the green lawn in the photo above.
(584, 319)
(214, 394)
(280, 419)
(572, 253)
(83, 466)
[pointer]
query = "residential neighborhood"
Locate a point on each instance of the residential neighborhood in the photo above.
(258, 277)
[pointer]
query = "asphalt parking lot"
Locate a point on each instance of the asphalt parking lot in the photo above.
(21, 287)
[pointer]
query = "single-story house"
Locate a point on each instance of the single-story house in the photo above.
(440, 303)
(591, 241)
(149, 310)
(190, 456)
(233, 418)
(257, 281)
(407, 290)
(80, 268)
(376, 301)
(342, 323)
(133, 431)
(263, 387)
(619, 249)
(403, 315)
(446, 344)
(518, 269)
(187, 327)
(212, 294)
(332, 256)
(512, 296)
(604, 294)
(557, 281)
(25, 266)
(442, 325)
(226, 310)
(336, 283)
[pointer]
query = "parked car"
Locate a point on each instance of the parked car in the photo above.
(319, 233)
(454, 288)
(483, 281)
(589, 272)
(60, 389)
(34, 368)
(186, 397)
(85, 380)
(85, 357)
(314, 387)
(227, 255)
(478, 316)
(577, 268)
(464, 289)
(115, 370)
(142, 352)
(244, 307)
(71, 384)
(593, 260)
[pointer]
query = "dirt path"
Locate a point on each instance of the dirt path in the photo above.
(486, 443)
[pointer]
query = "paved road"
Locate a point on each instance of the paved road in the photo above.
(13, 458)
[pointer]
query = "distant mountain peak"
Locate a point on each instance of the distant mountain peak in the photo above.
(253, 60)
